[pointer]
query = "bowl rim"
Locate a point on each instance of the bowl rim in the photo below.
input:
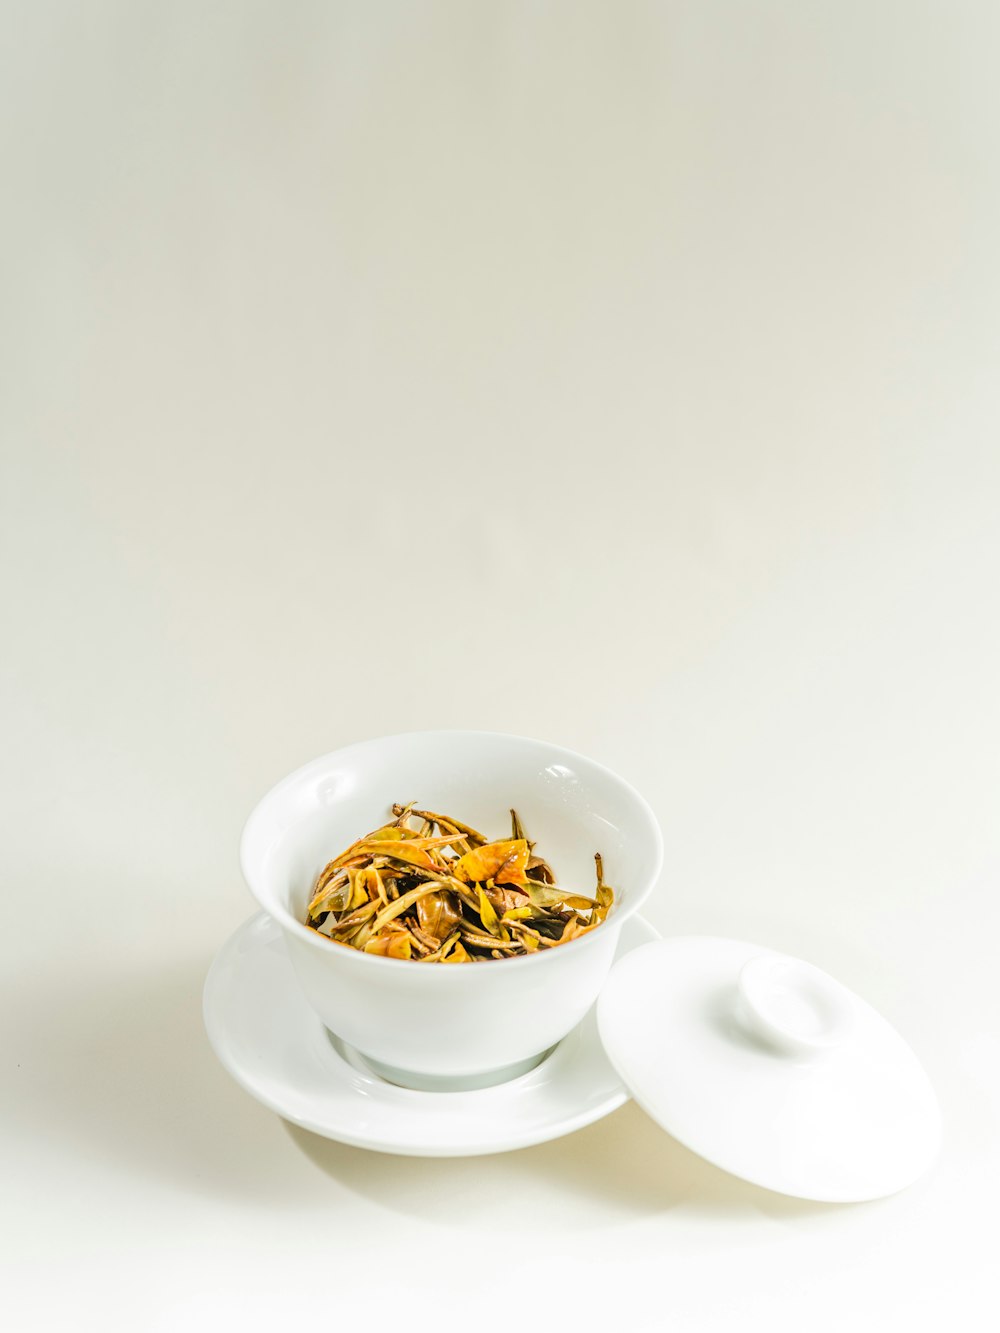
(329, 948)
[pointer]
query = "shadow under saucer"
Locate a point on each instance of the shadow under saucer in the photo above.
(624, 1166)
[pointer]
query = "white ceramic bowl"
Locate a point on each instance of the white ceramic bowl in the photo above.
(472, 1024)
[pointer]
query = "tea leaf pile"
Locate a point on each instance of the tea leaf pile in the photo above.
(440, 892)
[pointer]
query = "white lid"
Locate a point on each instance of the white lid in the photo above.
(769, 1068)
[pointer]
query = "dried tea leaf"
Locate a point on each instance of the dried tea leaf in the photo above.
(428, 843)
(418, 946)
(428, 943)
(517, 913)
(441, 954)
(414, 852)
(438, 913)
(503, 862)
(545, 895)
(489, 918)
(489, 942)
(359, 890)
(376, 885)
(539, 869)
(446, 821)
(548, 928)
(605, 894)
(529, 937)
(363, 913)
(334, 896)
(391, 944)
(404, 901)
(358, 850)
(457, 955)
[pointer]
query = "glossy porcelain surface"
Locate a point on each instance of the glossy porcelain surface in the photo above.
(273, 1043)
(468, 1022)
(769, 1068)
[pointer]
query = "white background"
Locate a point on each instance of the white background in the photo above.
(623, 374)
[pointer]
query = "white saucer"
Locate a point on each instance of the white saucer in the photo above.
(274, 1045)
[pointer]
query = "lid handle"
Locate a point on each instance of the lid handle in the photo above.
(794, 1006)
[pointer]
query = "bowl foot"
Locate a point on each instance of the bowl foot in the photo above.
(412, 1079)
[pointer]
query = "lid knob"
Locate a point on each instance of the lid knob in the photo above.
(794, 1006)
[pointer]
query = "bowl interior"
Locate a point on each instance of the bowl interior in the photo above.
(569, 805)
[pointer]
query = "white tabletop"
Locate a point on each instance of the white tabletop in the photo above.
(620, 374)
